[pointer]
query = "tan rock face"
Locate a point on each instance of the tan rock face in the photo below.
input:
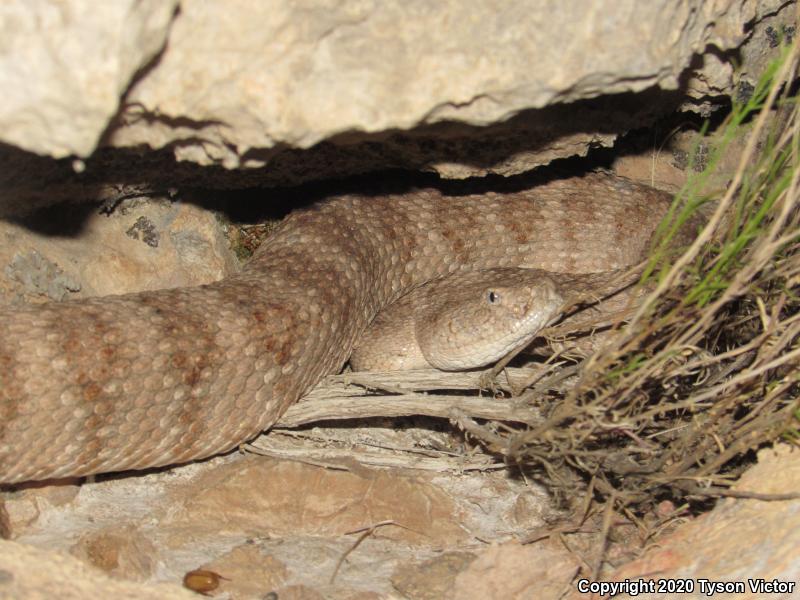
(715, 75)
(287, 533)
(141, 245)
(248, 572)
(313, 501)
(23, 508)
(518, 572)
(263, 525)
(38, 574)
(321, 89)
(123, 552)
(249, 76)
(64, 66)
(239, 78)
(433, 578)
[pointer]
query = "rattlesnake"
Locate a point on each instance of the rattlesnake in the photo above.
(156, 378)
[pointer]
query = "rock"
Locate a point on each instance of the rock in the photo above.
(497, 88)
(39, 275)
(64, 66)
(36, 574)
(248, 572)
(123, 552)
(431, 579)
(738, 540)
(312, 501)
(23, 507)
(298, 74)
(543, 570)
(268, 525)
(715, 75)
(240, 81)
(297, 592)
(141, 245)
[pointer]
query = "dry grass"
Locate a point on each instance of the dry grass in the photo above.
(707, 368)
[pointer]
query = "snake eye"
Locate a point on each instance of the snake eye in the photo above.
(493, 297)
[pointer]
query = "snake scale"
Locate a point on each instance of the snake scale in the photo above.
(163, 377)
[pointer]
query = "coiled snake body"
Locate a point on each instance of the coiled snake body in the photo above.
(156, 378)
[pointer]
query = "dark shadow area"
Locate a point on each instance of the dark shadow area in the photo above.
(62, 220)
(391, 162)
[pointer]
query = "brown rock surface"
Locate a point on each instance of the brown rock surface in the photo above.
(123, 552)
(248, 572)
(37, 574)
(431, 579)
(141, 245)
(269, 525)
(518, 572)
(282, 498)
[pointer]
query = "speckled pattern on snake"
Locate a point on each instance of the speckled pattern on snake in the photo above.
(157, 378)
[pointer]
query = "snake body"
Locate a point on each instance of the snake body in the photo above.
(157, 378)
